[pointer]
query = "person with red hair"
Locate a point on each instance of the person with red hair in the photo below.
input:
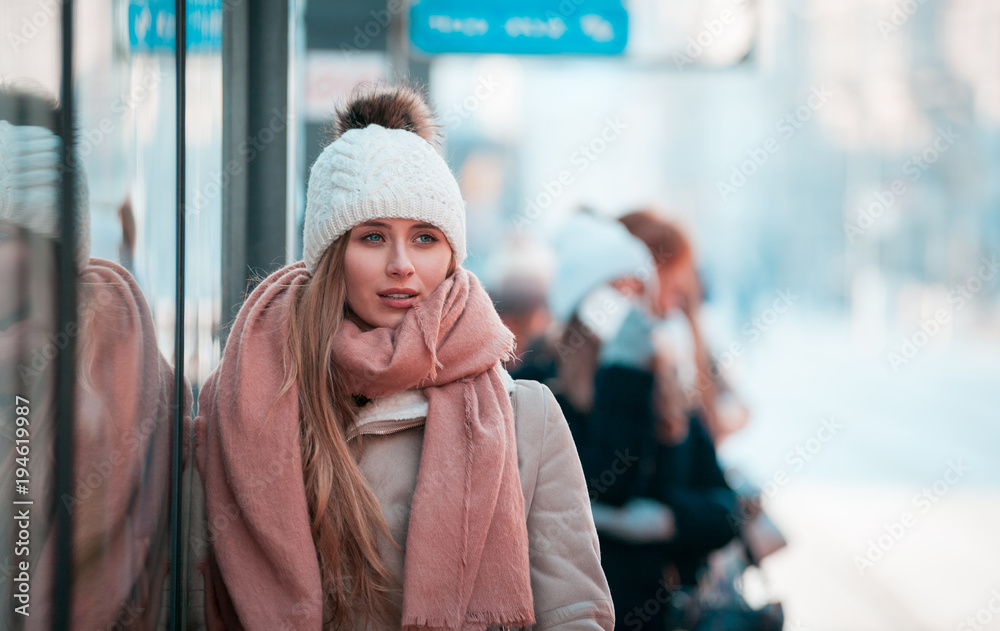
(708, 395)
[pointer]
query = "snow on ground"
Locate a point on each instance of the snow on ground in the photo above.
(892, 505)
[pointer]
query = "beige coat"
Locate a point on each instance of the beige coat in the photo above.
(568, 585)
(567, 582)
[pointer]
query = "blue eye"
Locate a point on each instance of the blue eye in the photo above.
(429, 238)
(369, 239)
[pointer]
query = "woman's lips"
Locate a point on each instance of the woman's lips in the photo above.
(398, 300)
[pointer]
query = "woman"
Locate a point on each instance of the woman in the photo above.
(640, 409)
(660, 503)
(598, 263)
(367, 463)
(705, 392)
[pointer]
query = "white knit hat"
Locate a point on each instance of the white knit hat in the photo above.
(378, 173)
(590, 252)
(30, 159)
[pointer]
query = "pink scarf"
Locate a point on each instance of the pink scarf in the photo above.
(467, 519)
(466, 561)
(123, 422)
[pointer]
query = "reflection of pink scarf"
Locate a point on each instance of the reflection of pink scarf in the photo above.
(467, 526)
(123, 421)
(466, 562)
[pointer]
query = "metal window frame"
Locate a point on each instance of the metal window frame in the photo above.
(65, 360)
(255, 204)
(177, 617)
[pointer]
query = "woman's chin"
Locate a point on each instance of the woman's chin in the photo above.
(387, 320)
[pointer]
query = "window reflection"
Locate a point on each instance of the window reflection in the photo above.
(29, 162)
(124, 400)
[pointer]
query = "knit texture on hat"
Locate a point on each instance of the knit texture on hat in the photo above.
(378, 173)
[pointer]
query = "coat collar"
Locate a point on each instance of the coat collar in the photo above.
(398, 411)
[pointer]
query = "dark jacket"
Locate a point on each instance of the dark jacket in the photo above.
(624, 460)
(685, 476)
(539, 364)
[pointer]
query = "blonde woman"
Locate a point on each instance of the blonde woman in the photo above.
(367, 462)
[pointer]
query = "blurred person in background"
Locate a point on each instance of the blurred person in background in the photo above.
(517, 278)
(700, 410)
(705, 392)
(592, 254)
(126, 249)
(123, 407)
(659, 499)
(520, 301)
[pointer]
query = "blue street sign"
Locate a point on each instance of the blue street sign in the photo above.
(533, 27)
(151, 25)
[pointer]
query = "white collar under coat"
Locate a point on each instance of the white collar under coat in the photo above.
(399, 410)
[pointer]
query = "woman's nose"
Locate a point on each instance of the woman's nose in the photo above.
(399, 263)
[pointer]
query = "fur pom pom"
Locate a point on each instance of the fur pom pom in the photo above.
(391, 106)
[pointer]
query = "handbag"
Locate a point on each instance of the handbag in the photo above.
(717, 603)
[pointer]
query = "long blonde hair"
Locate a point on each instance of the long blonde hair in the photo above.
(347, 519)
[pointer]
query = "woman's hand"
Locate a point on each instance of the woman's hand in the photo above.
(689, 291)
(632, 345)
(640, 520)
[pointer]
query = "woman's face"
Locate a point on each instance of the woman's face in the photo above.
(392, 264)
(679, 288)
